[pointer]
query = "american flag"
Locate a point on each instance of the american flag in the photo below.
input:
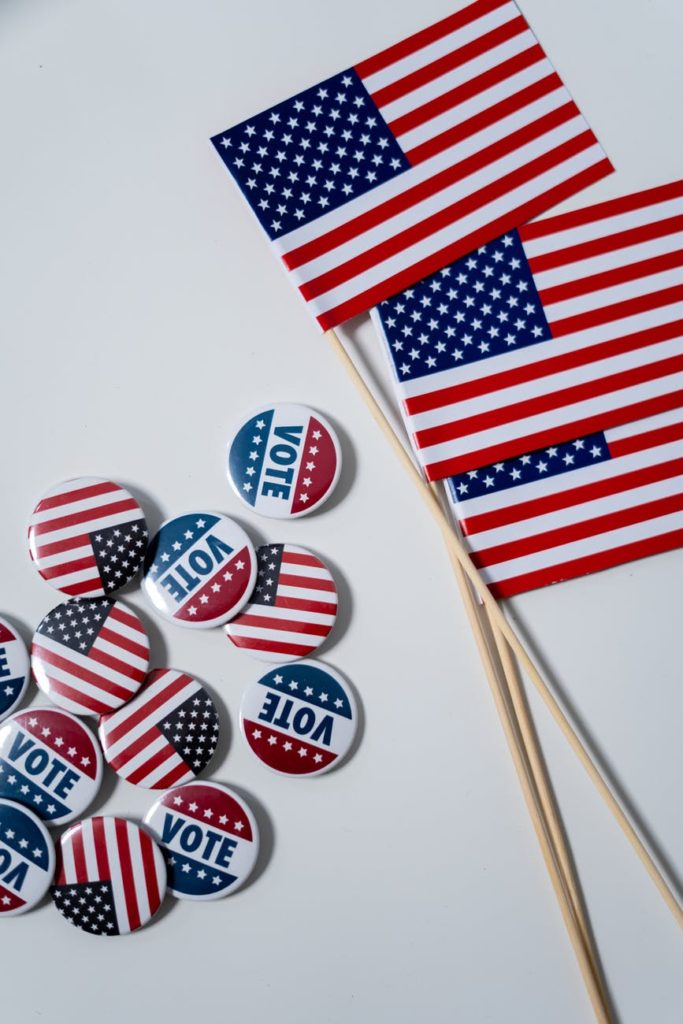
(90, 656)
(111, 876)
(50, 762)
(209, 838)
(292, 609)
(389, 170)
(87, 537)
(575, 508)
(166, 735)
(570, 325)
(27, 856)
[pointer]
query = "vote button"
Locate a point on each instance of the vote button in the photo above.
(299, 718)
(50, 762)
(209, 838)
(200, 569)
(284, 461)
(27, 859)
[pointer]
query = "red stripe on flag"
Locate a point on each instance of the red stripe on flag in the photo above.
(548, 402)
(84, 700)
(133, 748)
(58, 547)
(588, 564)
(473, 87)
(64, 568)
(120, 614)
(297, 558)
(128, 879)
(485, 118)
(178, 772)
(101, 853)
(548, 503)
(80, 494)
(649, 439)
(307, 582)
(125, 644)
(158, 700)
(306, 606)
(450, 176)
(449, 62)
(292, 625)
(590, 425)
(543, 368)
(56, 660)
(156, 759)
(610, 278)
(78, 850)
(86, 516)
(395, 283)
(607, 243)
(274, 646)
(149, 868)
(426, 36)
(578, 531)
(616, 311)
(84, 587)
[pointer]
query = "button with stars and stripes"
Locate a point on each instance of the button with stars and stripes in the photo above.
(110, 878)
(14, 669)
(209, 838)
(284, 461)
(51, 762)
(90, 657)
(300, 718)
(292, 609)
(200, 569)
(87, 537)
(166, 735)
(27, 859)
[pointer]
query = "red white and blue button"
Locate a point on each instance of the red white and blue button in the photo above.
(50, 762)
(299, 719)
(87, 537)
(199, 570)
(14, 669)
(111, 876)
(166, 735)
(292, 609)
(209, 838)
(90, 656)
(27, 859)
(284, 461)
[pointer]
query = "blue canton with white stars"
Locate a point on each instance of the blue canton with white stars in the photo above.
(537, 465)
(309, 683)
(481, 306)
(311, 154)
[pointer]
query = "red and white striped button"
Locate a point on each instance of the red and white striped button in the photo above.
(292, 608)
(111, 876)
(87, 537)
(90, 656)
(166, 735)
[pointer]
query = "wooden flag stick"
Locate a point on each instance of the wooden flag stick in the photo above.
(518, 726)
(564, 883)
(459, 552)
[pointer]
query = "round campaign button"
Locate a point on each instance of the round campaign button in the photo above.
(90, 657)
(299, 719)
(14, 669)
(284, 461)
(292, 609)
(209, 838)
(166, 735)
(111, 876)
(87, 537)
(27, 859)
(51, 762)
(200, 569)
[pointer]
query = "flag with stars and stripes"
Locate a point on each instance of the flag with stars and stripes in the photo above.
(293, 606)
(387, 171)
(90, 656)
(572, 324)
(111, 876)
(574, 508)
(166, 735)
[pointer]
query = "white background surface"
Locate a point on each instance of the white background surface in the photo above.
(140, 313)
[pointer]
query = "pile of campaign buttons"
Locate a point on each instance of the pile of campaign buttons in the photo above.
(159, 729)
